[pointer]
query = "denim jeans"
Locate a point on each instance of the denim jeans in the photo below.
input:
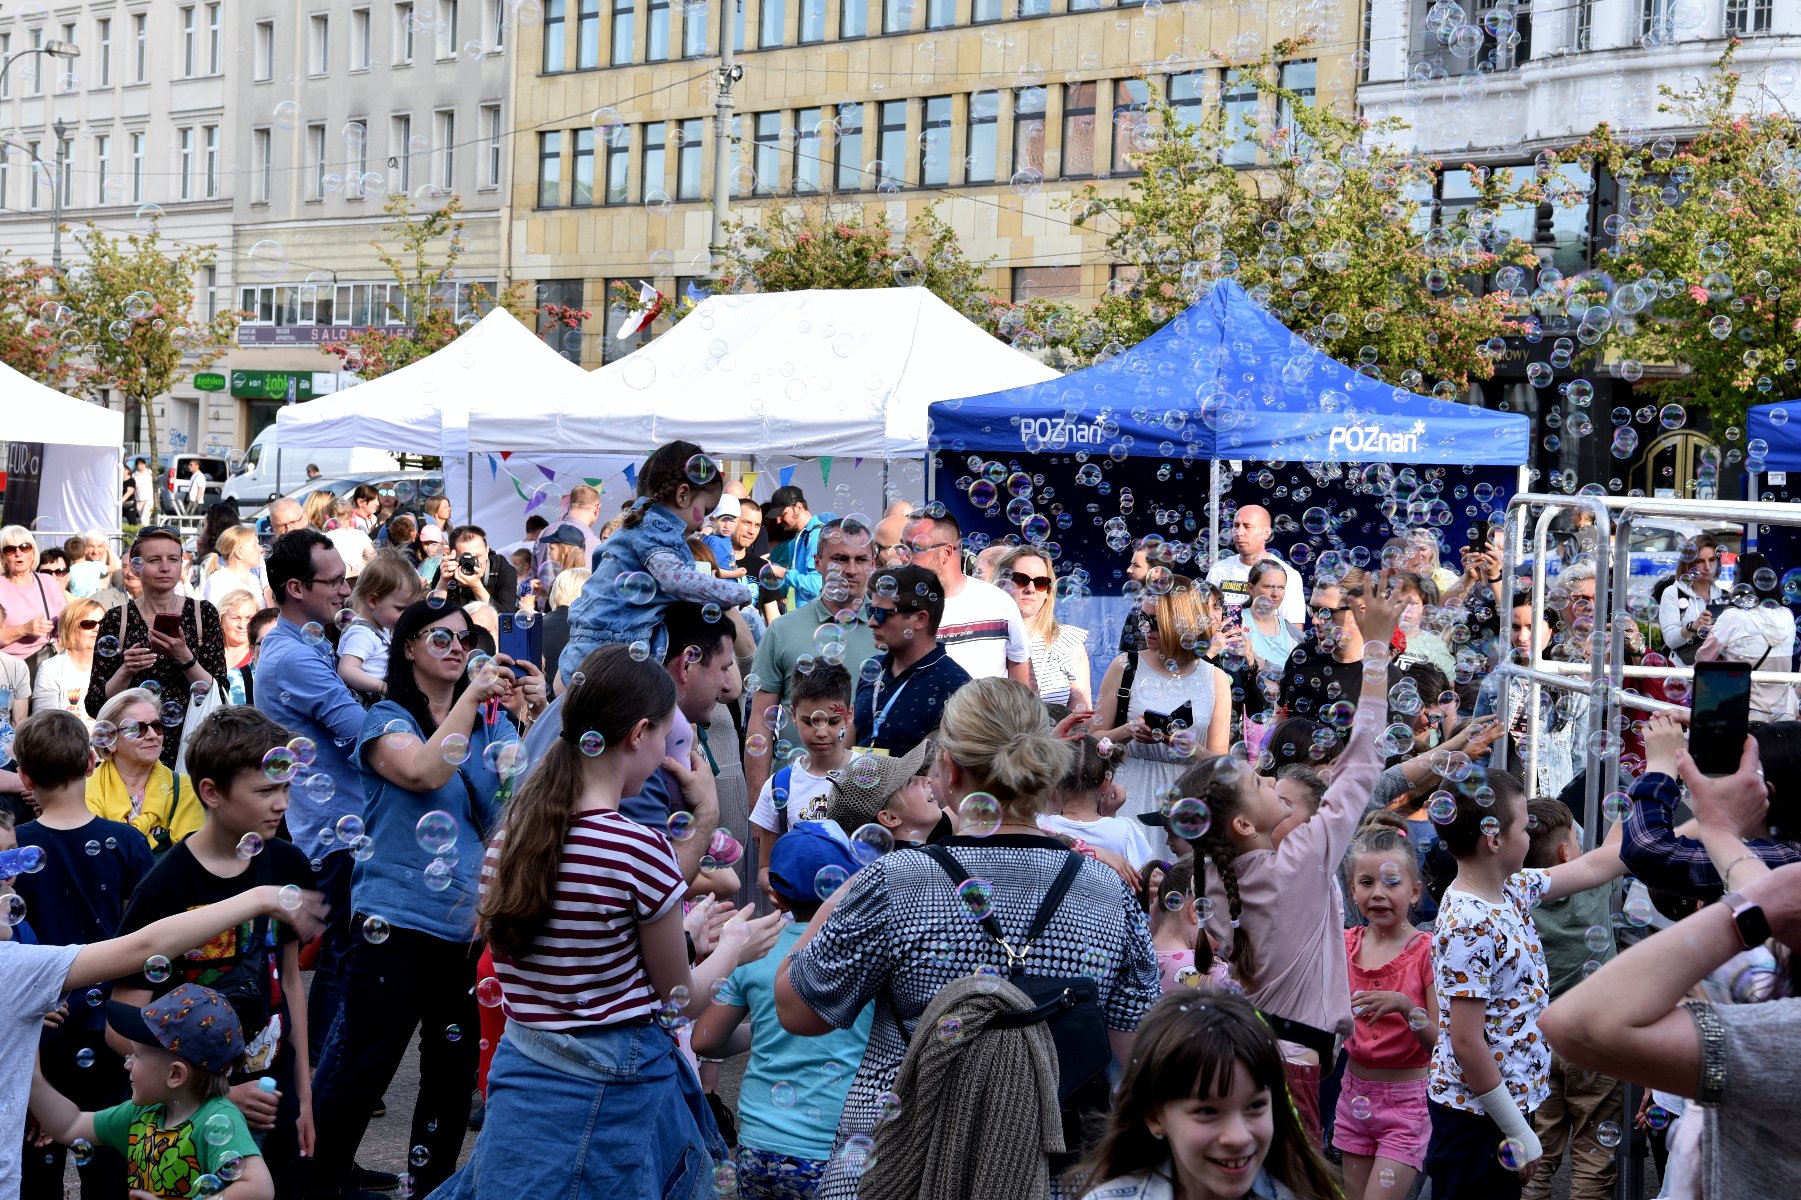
(601, 1113)
(333, 881)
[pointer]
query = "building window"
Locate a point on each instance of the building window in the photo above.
(263, 51)
(812, 21)
(550, 169)
(566, 293)
(400, 143)
(1078, 130)
(5, 168)
(1129, 99)
(495, 24)
(625, 19)
(617, 143)
(215, 40)
(891, 146)
(1084, 5)
(103, 165)
(1028, 129)
(1301, 78)
(581, 170)
(319, 44)
(315, 161)
(652, 170)
(935, 142)
(1046, 283)
(983, 12)
(36, 170)
(941, 14)
(853, 19)
(1585, 24)
(103, 41)
(190, 42)
(6, 87)
(447, 30)
(140, 48)
(209, 150)
(405, 25)
(897, 16)
(1034, 8)
(587, 35)
(1747, 17)
(137, 165)
(984, 137)
(66, 171)
(65, 79)
(446, 136)
(356, 148)
(1239, 99)
(37, 63)
(772, 22)
(766, 153)
(359, 39)
(806, 150)
(491, 136)
(656, 31)
(185, 164)
(612, 349)
(687, 159)
(555, 53)
(694, 31)
(850, 148)
(1185, 93)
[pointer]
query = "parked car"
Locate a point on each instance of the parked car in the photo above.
(268, 471)
(216, 468)
(409, 489)
(1655, 547)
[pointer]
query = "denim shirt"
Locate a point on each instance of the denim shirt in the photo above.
(600, 615)
(297, 687)
(393, 882)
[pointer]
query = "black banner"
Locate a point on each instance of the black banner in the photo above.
(24, 476)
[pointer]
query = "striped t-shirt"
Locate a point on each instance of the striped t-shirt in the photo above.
(585, 967)
(982, 630)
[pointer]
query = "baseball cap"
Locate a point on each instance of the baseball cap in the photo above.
(430, 533)
(799, 855)
(728, 507)
(193, 1023)
(864, 789)
(563, 535)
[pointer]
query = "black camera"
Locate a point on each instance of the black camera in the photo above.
(469, 564)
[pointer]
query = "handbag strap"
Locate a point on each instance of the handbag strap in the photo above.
(1047, 908)
(1127, 674)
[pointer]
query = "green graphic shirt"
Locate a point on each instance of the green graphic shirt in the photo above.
(169, 1162)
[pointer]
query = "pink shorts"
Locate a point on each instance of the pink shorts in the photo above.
(1387, 1119)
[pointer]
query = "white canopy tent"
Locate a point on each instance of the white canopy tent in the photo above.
(799, 374)
(423, 408)
(63, 451)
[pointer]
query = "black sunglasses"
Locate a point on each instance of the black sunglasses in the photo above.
(53, 570)
(1022, 581)
(91, 624)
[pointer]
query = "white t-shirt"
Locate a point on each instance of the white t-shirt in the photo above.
(86, 578)
(31, 984)
(196, 487)
(1746, 635)
(351, 545)
(983, 631)
(57, 678)
(1232, 576)
(226, 580)
(15, 684)
(369, 642)
(807, 798)
(1124, 837)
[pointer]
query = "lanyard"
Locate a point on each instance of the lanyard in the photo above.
(883, 715)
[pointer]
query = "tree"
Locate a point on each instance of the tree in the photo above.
(133, 309)
(1330, 236)
(425, 268)
(1702, 273)
(33, 325)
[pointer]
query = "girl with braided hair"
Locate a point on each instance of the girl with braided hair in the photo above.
(1278, 914)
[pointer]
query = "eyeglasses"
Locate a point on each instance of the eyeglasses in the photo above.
(336, 581)
(928, 547)
(93, 624)
(1022, 581)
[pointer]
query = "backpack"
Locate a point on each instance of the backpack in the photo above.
(779, 783)
(1068, 1006)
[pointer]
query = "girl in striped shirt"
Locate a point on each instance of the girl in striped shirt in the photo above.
(588, 1095)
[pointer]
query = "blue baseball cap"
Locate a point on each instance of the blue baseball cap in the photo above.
(799, 855)
(194, 1023)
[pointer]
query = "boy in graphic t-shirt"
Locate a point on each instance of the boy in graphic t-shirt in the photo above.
(820, 703)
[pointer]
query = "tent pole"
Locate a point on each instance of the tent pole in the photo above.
(1213, 507)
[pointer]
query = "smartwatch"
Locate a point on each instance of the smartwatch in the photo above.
(1748, 918)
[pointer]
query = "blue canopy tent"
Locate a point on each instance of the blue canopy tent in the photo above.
(1772, 458)
(1133, 445)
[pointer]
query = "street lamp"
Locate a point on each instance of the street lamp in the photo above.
(54, 48)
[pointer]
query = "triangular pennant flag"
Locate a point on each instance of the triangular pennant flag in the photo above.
(546, 472)
(493, 467)
(506, 454)
(519, 489)
(825, 469)
(537, 498)
(750, 481)
(786, 475)
(593, 483)
(631, 475)
(856, 462)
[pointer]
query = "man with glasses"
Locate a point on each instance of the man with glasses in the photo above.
(902, 695)
(1690, 604)
(982, 627)
(843, 561)
(285, 516)
(298, 686)
(1331, 668)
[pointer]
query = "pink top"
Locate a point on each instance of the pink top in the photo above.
(1292, 910)
(1388, 1041)
(35, 596)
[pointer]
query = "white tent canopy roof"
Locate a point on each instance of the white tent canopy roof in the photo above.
(423, 408)
(797, 373)
(31, 412)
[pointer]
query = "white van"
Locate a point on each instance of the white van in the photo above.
(257, 481)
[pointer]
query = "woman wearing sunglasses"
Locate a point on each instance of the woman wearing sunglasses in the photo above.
(436, 756)
(62, 682)
(1059, 652)
(132, 784)
(30, 602)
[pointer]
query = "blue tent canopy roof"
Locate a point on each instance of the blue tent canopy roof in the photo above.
(1227, 380)
(1778, 426)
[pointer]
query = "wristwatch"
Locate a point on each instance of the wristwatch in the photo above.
(1753, 927)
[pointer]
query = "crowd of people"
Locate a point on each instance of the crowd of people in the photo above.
(1230, 898)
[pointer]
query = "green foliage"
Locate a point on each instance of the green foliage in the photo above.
(34, 325)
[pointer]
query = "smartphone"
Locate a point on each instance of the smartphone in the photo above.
(167, 624)
(1233, 615)
(1720, 714)
(1478, 540)
(1161, 722)
(522, 642)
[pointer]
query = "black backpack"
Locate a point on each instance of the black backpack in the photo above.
(1068, 1006)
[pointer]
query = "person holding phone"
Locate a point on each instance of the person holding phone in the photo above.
(1686, 611)
(162, 635)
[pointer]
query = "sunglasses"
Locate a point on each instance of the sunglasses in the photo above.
(24, 549)
(878, 616)
(440, 639)
(53, 570)
(93, 624)
(1022, 581)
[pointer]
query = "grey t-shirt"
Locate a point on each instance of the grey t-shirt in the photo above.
(1748, 1148)
(31, 984)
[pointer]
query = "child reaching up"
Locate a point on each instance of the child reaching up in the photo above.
(387, 585)
(646, 566)
(1381, 1121)
(1202, 1113)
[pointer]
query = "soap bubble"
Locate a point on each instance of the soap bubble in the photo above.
(249, 846)
(980, 814)
(1189, 819)
(977, 898)
(156, 969)
(375, 930)
(828, 880)
(436, 831)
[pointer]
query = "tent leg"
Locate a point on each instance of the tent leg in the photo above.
(1213, 507)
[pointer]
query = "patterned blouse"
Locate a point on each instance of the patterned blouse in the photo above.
(1054, 663)
(204, 635)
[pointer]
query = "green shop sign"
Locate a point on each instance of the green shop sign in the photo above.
(209, 381)
(271, 385)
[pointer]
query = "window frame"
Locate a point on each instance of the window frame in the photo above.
(444, 137)
(103, 164)
(974, 124)
(688, 152)
(188, 41)
(103, 41)
(808, 167)
(262, 51)
(651, 180)
(860, 9)
(550, 153)
(582, 154)
(845, 138)
(555, 43)
(622, 32)
(1075, 111)
(184, 162)
(318, 44)
(406, 47)
(772, 24)
(209, 161)
(616, 158)
(140, 36)
(1023, 121)
(766, 153)
(656, 31)
(215, 39)
(931, 129)
(893, 171)
(137, 144)
(1124, 102)
(492, 136)
(315, 145)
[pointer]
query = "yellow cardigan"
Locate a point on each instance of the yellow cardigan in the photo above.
(170, 802)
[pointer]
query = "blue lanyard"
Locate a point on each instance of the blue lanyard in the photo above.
(883, 715)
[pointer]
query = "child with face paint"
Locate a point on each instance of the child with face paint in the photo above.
(646, 566)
